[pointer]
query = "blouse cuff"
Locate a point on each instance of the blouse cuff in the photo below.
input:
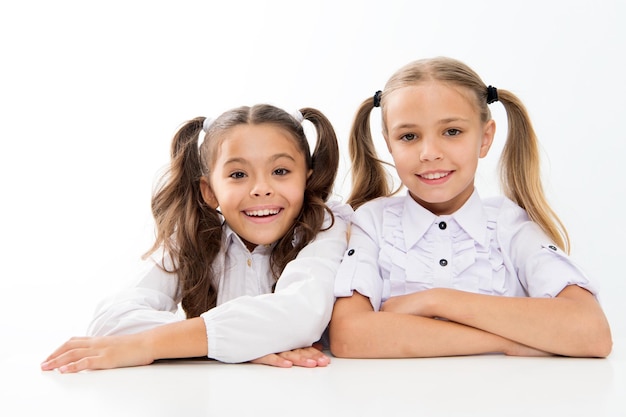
(353, 275)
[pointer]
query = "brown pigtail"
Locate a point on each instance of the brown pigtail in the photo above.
(324, 162)
(325, 157)
(188, 229)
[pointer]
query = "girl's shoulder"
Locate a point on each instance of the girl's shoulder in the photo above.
(342, 210)
(503, 210)
(512, 222)
(374, 214)
(382, 204)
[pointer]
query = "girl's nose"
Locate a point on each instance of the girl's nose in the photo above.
(430, 150)
(261, 188)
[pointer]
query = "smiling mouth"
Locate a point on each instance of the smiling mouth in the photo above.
(434, 175)
(262, 213)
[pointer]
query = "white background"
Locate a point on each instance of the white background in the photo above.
(92, 92)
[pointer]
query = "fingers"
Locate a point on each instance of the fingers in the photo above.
(74, 356)
(73, 343)
(66, 367)
(309, 357)
(106, 352)
(71, 361)
(71, 351)
(273, 360)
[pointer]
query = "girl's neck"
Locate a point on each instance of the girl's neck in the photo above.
(446, 207)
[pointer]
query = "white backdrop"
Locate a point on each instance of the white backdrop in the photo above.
(91, 93)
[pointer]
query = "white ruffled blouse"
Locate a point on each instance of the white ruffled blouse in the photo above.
(490, 247)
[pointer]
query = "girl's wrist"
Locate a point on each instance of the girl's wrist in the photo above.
(148, 342)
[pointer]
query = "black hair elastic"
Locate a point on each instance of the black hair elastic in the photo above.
(492, 94)
(377, 98)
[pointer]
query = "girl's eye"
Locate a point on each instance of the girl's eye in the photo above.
(281, 171)
(237, 175)
(452, 132)
(408, 137)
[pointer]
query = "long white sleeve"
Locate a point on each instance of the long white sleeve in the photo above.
(150, 302)
(249, 320)
(295, 315)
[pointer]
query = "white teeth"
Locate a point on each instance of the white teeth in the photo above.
(259, 213)
(435, 176)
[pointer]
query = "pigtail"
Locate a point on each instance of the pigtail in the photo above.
(324, 162)
(325, 157)
(369, 178)
(520, 170)
(187, 228)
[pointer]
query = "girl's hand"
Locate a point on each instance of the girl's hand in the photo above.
(81, 353)
(309, 357)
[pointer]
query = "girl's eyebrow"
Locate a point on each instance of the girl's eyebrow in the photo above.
(235, 161)
(403, 126)
(452, 119)
(282, 155)
(273, 158)
(441, 122)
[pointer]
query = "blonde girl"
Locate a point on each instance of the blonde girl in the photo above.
(441, 271)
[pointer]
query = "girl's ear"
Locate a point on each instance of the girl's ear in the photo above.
(207, 193)
(489, 132)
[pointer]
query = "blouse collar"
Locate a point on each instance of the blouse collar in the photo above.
(230, 237)
(416, 220)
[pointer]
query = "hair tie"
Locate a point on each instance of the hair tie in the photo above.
(298, 116)
(492, 94)
(377, 98)
(207, 123)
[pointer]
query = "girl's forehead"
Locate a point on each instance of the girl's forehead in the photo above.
(250, 132)
(267, 133)
(431, 89)
(256, 140)
(430, 96)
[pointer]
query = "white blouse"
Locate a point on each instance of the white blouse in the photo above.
(249, 320)
(489, 247)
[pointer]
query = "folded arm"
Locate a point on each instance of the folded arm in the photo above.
(570, 324)
(357, 331)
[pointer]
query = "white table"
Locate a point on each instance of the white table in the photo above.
(489, 385)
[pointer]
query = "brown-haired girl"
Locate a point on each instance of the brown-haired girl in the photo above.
(246, 244)
(441, 271)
